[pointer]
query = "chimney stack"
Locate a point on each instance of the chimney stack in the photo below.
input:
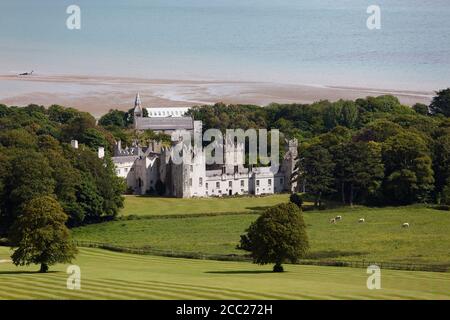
(74, 144)
(101, 152)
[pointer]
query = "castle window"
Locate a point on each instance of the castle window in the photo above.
(257, 183)
(242, 183)
(217, 184)
(200, 181)
(269, 182)
(281, 180)
(206, 185)
(230, 184)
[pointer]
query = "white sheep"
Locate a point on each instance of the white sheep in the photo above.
(333, 220)
(362, 220)
(338, 218)
(405, 225)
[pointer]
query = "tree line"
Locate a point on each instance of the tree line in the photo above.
(37, 160)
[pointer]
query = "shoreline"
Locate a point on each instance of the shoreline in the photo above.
(98, 94)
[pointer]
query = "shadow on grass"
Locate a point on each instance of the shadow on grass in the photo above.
(333, 254)
(258, 208)
(26, 272)
(240, 272)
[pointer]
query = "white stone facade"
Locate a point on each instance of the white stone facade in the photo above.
(143, 167)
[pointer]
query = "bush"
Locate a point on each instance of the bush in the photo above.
(297, 199)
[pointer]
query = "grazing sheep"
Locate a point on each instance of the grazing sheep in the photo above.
(333, 220)
(338, 218)
(405, 225)
(362, 220)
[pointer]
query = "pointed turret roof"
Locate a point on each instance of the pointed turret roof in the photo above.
(137, 101)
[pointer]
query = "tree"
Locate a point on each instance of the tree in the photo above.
(114, 118)
(408, 168)
(99, 191)
(441, 103)
(349, 114)
(358, 168)
(316, 170)
(441, 163)
(40, 235)
(94, 138)
(421, 108)
(277, 236)
(30, 177)
(379, 131)
(62, 115)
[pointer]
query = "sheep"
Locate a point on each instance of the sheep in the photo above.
(405, 225)
(338, 218)
(333, 220)
(362, 220)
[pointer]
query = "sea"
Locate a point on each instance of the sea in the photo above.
(311, 42)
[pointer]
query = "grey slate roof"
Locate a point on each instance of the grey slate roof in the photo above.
(170, 123)
(123, 159)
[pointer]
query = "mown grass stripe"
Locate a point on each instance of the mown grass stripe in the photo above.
(209, 292)
(188, 291)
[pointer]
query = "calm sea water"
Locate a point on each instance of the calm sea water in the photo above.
(323, 42)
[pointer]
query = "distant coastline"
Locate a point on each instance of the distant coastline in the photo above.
(98, 94)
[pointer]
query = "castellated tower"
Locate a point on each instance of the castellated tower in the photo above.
(188, 179)
(289, 163)
(234, 156)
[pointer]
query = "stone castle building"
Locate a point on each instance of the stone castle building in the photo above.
(145, 167)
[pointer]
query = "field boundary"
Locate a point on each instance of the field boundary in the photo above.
(243, 258)
(185, 215)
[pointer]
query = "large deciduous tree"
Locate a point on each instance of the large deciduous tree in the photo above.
(277, 236)
(40, 236)
(316, 171)
(359, 168)
(408, 169)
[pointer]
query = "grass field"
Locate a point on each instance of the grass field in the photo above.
(110, 275)
(381, 238)
(141, 206)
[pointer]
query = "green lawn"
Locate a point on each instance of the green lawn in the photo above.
(141, 206)
(111, 275)
(381, 238)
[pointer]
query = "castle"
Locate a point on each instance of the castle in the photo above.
(150, 169)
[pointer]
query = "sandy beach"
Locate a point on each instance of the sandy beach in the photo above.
(98, 94)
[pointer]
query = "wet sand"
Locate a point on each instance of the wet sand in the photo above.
(98, 94)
